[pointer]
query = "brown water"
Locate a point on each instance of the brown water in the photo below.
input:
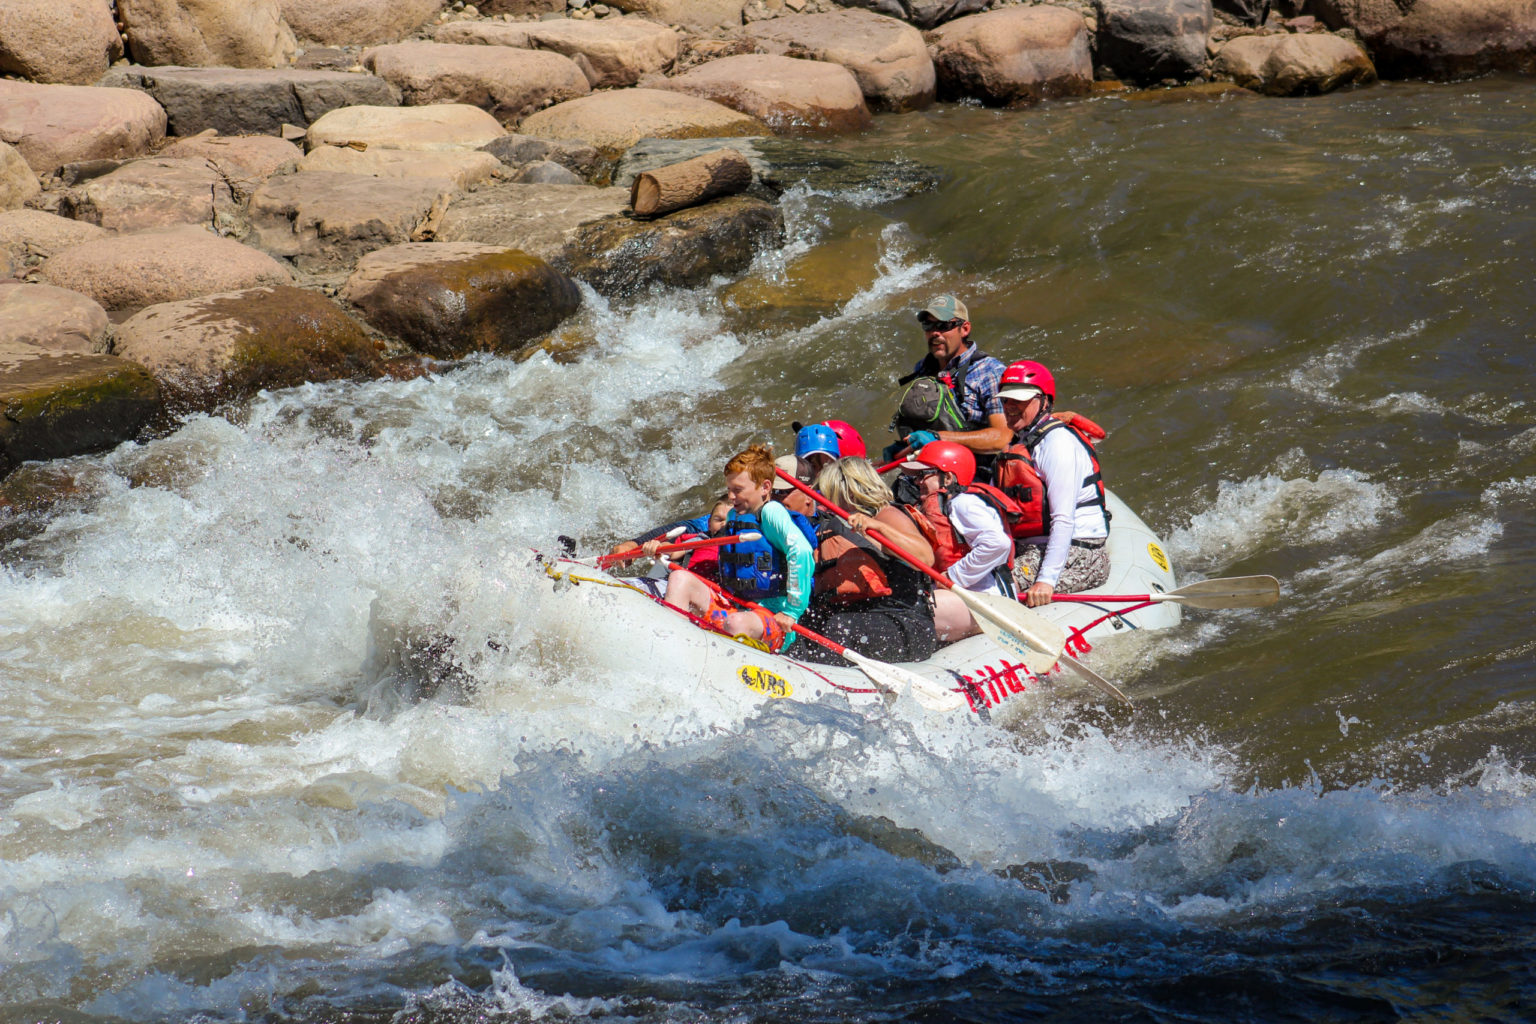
(1308, 325)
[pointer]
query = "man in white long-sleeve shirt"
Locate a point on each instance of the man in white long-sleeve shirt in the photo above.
(1070, 555)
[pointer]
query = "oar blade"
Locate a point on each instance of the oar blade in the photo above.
(895, 679)
(1231, 592)
(1033, 639)
(1089, 675)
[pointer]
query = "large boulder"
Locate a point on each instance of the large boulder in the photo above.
(614, 52)
(449, 299)
(888, 57)
(695, 15)
(240, 101)
(132, 271)
(782, 92)
(207, 33)
(440, 127)
(462, 167)
(358, 22)
(28, 237)
(541, 220)
(1295, 65)
(51, 319)
(154, 193)
(1013, 56)
(507, 82)
(18, 182)
(209, 350)
(620, 256)
(1150, 40)
(922, 13)
(53, 125)
(244, 160)
(1440, 39)
(614, 121)
(323, 221)
(57, 405)
(69, 42)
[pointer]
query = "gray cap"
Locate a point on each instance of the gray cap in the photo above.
(945, 307)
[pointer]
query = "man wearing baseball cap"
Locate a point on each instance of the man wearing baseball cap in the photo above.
(969, 373)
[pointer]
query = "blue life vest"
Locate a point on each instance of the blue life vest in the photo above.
(755, 569)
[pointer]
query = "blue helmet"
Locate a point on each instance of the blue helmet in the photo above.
(818, 437)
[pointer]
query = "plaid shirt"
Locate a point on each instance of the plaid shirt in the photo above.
(979, 398)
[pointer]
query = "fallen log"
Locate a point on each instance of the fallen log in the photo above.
(720, 173)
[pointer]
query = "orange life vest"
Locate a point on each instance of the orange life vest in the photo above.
(853, 576)
(1019, 478)
(931, 516)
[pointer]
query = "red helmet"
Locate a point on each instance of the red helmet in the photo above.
(1027, 374)
(950, 457)
(848, 440)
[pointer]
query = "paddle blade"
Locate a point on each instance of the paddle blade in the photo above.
(1104, 686)
(894, 679)
(1232, 592)
(1028, 636)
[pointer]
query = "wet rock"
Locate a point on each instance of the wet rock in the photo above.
(154, 193)
(1150, 40)
(215, 348)
(906, 843)
(888, 57)
(614, 121)
(782, 92)
(779, 164)
(508, 83)
(620, 256)
(1440, 39)
(206, 33)
(547, 172)
(923, 13)
(358, 22)
(245, 160)
(1295, 65)
(573, 154)
(56, 405)
(541, 220)
(51, 319)
(53, 125)
(66, 42)
(449, 299)
(1246, 12)
(1052, 877)
(1196, 92)
(444, 126)
(234, 101)
(28, 237)
(461, 167)
(617, 51)
(696, 15)
(132, 271)
(18, 182)
(1013, 55)
(324, 221)
(826, 276)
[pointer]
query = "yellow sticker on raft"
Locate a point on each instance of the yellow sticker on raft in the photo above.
(1158, 556)
(765, 682)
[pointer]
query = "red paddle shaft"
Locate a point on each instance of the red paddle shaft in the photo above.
(687, 545)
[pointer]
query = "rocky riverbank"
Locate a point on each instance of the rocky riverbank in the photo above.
(199, 200)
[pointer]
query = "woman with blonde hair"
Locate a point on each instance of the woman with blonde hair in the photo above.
(774, 571)
(864, 597)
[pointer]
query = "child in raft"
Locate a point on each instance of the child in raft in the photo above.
(774, 571)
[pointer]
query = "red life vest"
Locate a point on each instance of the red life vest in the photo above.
(853, 576)
(931, 517)
(1019, 478)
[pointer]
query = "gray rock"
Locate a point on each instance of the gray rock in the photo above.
(922, 13)
(547, 172)
(1150, 40)
(576, 156)
(1249, 12)
(250, 102)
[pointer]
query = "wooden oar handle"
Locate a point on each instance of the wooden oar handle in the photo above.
(874, 535)
(687, 545)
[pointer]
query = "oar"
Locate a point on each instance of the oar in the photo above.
(1232, 592)
(688, 545)
(1089, 675)
(1033, 639)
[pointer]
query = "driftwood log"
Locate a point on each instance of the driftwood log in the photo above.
(720, 173)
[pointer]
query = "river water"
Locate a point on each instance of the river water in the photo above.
(259, 762)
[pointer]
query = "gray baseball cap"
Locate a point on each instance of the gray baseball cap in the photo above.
(945, 307)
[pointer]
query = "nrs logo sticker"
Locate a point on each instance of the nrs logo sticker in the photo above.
(765, 682)
(1158, 556)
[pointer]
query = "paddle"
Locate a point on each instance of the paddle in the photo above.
(887, 677)
(1093, 677)
(605, 561)
(1232, 592)
(1034, 640)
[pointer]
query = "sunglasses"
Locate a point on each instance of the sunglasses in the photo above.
(940, 325)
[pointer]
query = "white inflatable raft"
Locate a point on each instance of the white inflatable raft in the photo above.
(655, 634)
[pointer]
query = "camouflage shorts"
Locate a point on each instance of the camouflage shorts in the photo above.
(1086, 568)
